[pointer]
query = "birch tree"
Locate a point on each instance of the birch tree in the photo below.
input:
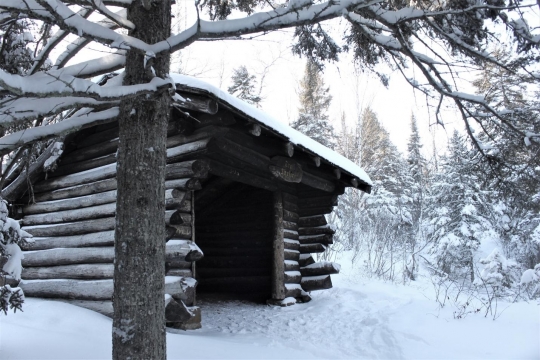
(437, 40)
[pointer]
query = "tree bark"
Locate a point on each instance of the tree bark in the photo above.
(139, 273)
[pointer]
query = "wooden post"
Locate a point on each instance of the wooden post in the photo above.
(193, 239)
(278, 285)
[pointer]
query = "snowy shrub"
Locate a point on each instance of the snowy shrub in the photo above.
(11, 236)
(530, 282)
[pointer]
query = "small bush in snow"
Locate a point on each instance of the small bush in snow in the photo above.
(11, 255)
(530, 282)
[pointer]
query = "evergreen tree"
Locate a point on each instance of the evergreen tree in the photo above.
(460, 211)
(243, 86)
(315, 99)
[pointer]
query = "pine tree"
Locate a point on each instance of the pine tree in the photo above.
(243, 86)
(315, 99)
(460, 211)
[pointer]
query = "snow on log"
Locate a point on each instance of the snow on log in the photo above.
(291, 265)
(73, 203)
(187, 169)
(311, 248)
(325, 239)
(183, 184)
(78, 271)
(291, 244)
(292, 277)
(77, 191)
(178, 288)
(320, 268)
(104, 238)
(83, 177)
(291, 254)
(54, 257)
(311, 283)
(317, 230)
(305, 260)
(177, 217)
(180, 152)
(293, 290)
(310, 221)
(74, 228)
(92, 212)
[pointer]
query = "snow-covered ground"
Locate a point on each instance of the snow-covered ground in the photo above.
(357, 319)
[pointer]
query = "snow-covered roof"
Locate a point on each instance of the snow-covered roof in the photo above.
(294, 136)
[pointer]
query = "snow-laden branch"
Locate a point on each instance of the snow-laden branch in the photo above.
(90, 68)
(28, 109)
(74, 123)
(50, 84)
(118, 18)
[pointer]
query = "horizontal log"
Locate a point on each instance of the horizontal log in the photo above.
(290, 197)
(203, 272)
(77, 191)
(241, 176)
(221, 117)
(291, 244)
(286, 169)
(188, 252)
(292, 277)
(187, 169)
(325, 239)
(105, 238)
(265, 145)
(320, 201)
(293, 290)
(305, 260)
(174, 198)
(317, 182)
(183, 184)
(74, 228)
(311, 248)
(97, 150)
(103, 307)
(178, 265)
(292, 254)
(76, 167)
(315, 211)
(199, 134)
(68, 256)
(291, 265)
(290, 234)
(176, 311)
(181, 231)
(290, 206)
(177, 217)
(78, 271)
(290, 225)
(290, 216)
(317, 230)
(98, 137)
(311, 283)
(198, 103)
(232, 227)
(311, 221)
(320, 268)
(180, 272)
(72, 203)
(86, 213)
(94, 289)
(183, 152)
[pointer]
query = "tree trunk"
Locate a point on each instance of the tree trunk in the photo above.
(139, 272)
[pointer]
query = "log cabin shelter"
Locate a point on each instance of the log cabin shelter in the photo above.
(246, 201)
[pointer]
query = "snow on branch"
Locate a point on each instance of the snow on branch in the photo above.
(47, 84)
(74, 123)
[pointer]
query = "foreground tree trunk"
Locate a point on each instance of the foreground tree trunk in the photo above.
(139, 270)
